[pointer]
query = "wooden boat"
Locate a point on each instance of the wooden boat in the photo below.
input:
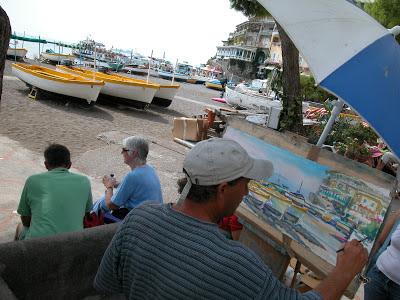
(170, 75)
(56, 57)
(56, 82)
(137, 92)
(165, 93)
(214, 84)
(18, 53)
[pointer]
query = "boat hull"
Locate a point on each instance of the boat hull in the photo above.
(214, 86)
(169, 76)
(77, 90)
(165, 95)
(242, 100)
(17, 52)
(125, 90)
(57, 57)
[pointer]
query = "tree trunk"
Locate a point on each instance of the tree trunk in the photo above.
(5, 32)
(291, 117)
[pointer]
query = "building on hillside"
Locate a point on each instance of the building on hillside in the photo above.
(250, 36)
(275, 54)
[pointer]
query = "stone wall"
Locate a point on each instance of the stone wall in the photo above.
(57, 267)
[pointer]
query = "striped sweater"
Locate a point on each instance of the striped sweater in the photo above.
(159, 253)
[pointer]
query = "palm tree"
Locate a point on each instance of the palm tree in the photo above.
(5, 33)
(291, 117)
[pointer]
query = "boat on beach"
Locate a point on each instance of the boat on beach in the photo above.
(18, 53)
(128, 89)
(165, 93)
(214, 84)
(56, 57)
(57, 82)
(169, 75)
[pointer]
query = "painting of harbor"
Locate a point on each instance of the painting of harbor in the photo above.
(315, 205)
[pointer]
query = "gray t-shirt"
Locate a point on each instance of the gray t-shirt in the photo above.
(159, 253)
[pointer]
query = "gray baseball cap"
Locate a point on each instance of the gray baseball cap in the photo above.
(217, 160)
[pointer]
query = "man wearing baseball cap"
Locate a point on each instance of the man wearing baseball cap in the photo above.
(176, 251)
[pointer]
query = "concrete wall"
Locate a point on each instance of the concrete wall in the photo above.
(57, 267)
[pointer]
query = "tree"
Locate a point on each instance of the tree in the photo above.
(291, 117)
(387, 12)
(5, 32)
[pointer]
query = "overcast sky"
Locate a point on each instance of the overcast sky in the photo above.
(187, 30)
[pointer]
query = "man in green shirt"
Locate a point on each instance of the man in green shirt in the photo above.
(54, 201)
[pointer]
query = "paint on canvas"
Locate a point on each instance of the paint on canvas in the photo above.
(318, 207)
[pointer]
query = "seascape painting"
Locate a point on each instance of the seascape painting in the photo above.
(315, 205)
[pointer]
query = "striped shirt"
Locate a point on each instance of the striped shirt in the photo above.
(159, 253)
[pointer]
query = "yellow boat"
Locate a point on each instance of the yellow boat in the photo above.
(165, 93)
(57, 82)
(214, 84)
(140, 93)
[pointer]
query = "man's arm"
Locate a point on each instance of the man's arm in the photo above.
(26, 221)
(109, 183)
(349, 263)
(24, 208)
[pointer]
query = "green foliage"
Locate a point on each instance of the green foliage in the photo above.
(310, 92)
(250, 8)
(386, 12)
(348, 137)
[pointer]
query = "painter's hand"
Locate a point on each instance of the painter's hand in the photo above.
(352, 259)
(108, 181)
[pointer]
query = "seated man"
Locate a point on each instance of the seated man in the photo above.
(54, 201)
(177, 251)
(139, 185)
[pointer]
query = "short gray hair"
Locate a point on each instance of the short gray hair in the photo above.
(139, 144)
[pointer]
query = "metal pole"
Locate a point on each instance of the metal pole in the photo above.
(39, 47)
(148, 71)
(15, 49)
(328, 127)
(173, 75)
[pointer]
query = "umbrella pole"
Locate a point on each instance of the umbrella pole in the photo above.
(328, 127)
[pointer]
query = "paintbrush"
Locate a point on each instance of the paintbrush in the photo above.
(360, 241)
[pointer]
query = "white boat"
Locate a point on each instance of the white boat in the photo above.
(165, 93)
(135, 70)
(18, 53)
(244, 97)
(56, 82)
(137, 92)
(57, 57)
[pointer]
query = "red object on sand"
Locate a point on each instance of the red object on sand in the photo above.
(221, 100)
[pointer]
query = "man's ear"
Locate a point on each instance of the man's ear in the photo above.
(68, 166)
(46, 165)
(222, 194)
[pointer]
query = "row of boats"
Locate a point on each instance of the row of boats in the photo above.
(87, 84)
(181, 74)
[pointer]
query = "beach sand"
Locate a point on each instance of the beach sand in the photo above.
(94, 134)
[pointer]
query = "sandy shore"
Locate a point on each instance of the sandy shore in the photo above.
(93, 134)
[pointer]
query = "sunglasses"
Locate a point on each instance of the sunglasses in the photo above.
(125, 150)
